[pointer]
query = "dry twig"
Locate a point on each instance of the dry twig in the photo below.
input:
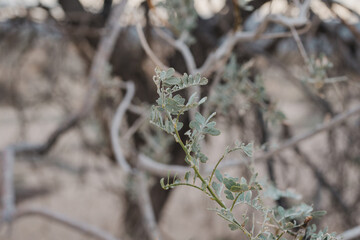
(146, 206)
(228, 44)
(350, 234)
(115, 126)
(85, 229)
(143, 196)
(149, 51)
(301, 137)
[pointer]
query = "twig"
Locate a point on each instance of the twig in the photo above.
(343, 5)
(135, 126)
(148, 50)
(323, 127)
(143, 197)
(233, 38)
(8, 194)
(301, 49)
(182, 47)
(146, 206)
(321, 178)
(350, 234)
(159, 169)
(115, 126)
(352, 28)
(85, 229)
(297, 139)
(212, 90)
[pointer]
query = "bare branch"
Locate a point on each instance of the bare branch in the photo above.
(159, 169)
(297, 139)
(320, 128)
(147, 210)
(148, 50)
(136, 125)
(301, 48)
(335, 194)
(350, 234)
(143, 196)
(228, 44)
(8, 194)
(85, 229)
(115, 126)
(182, 47)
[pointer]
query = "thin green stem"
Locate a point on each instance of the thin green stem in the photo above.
(242, 228)
(217, 164)
(280, 236)
(236, 198)
(193, 166)
(196, 170)
(189, 185)
(234, 221)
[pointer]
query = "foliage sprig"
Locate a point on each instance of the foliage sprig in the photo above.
(276, 223)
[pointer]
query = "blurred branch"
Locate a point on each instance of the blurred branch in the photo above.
(160, 169)
(115, 126)
(301, 137)
(85, 229)
(350, 234)
(180, 45)
(343, 5)
(301, 49)
(8, 190)
(145, 204)
(148, 50)
(71, 6)
(143, 196)
(352, 28)
(335, 194)
(239, 36)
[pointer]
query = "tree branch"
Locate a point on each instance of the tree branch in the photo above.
(182, 47)
(160, 169)
(297, 139)
(149, 51)
(85, 229)
(142, 190)
(350, 234)
(145, 204)
(115, 126)
(240, 36)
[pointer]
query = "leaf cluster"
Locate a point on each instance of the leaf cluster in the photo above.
(182, 16)
(274, 223)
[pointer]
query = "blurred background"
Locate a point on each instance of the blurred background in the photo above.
(267, 91)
